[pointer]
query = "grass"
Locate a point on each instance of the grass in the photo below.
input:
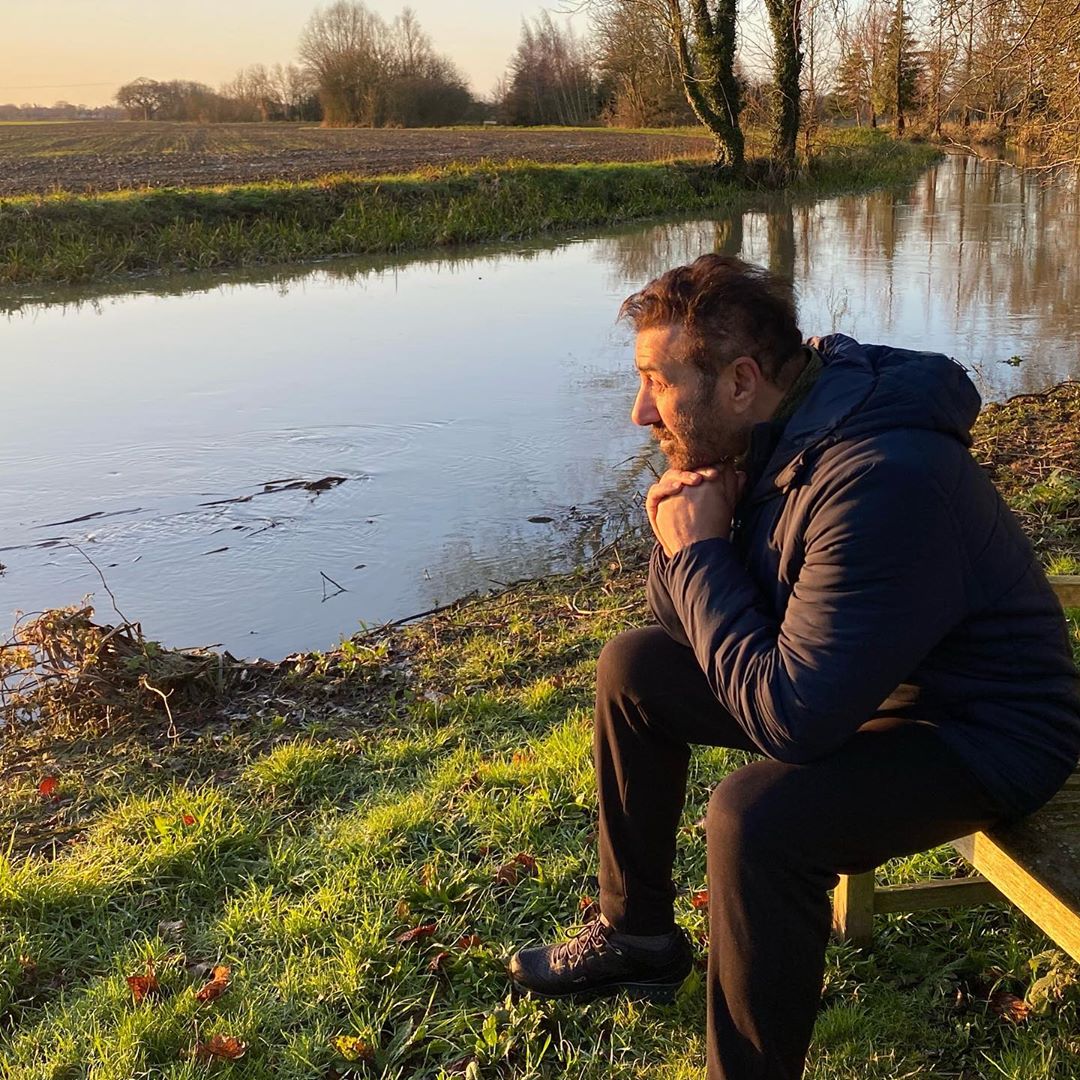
(435, 776)
(77, 238)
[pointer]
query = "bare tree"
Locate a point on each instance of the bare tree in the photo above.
(551, 80)
(344, 46)
(638, 66)
(369, 73)
(256, 88)
(141, 98)
(293, 88)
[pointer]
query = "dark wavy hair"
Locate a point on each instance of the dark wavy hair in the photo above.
(726, 308)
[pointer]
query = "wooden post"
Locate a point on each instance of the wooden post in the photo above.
(853, 909)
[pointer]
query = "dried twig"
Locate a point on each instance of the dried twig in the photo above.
(340, 588)
(104, 583)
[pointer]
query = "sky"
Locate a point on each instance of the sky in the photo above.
(82, 50)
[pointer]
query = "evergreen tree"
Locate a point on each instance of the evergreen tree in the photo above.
(853, 82)
(900, 69)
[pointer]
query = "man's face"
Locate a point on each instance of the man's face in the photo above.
(684, 408)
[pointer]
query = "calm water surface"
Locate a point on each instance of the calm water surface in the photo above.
(456, 397)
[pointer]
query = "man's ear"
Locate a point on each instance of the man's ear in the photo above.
(743, 381)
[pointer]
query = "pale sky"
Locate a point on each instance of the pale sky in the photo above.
(82, 50)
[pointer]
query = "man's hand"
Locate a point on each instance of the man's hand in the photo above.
(687, 506)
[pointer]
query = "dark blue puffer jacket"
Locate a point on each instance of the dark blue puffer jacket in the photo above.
(874, 570)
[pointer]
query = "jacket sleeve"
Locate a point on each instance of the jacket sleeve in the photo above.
(881, 583)
(659, 598)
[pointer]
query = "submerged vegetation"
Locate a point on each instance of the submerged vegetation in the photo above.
(74, 238)
(324, 871)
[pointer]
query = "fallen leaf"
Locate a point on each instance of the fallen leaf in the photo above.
(700, 900)
(221, 1047)
(188, 820)
(469, 941)
(510, 872)
(416, 933)
(401, 909)
(47, 787)
(1006, 1006)
(437, 961)
(218, 984)
(589, 908)
(142, 986)
(353, 1048)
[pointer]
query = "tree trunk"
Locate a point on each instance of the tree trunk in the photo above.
(785, 17)
(899, 61)
(709, 79)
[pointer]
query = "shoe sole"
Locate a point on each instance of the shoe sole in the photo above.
(657, 993)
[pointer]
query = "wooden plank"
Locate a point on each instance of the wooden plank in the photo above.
(928, 895)
(1036, 898)
(853, 909)
(1067, 587)
(1036, 864)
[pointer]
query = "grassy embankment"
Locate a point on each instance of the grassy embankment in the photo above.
(73, 238)
(406, 780)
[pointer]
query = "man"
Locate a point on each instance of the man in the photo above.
(840, 589)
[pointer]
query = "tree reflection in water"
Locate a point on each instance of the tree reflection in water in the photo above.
(975, 259)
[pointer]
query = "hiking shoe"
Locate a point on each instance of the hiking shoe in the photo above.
(598, 960)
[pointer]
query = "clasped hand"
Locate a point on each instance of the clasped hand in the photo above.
(685, 506)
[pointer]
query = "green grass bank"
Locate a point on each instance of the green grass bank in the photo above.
(365, 836)
(75, 238)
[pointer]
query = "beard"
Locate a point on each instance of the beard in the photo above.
(697, 439)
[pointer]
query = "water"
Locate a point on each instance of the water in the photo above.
(455, 398)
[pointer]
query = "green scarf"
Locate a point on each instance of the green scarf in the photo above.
(800, 387)
(765, 439)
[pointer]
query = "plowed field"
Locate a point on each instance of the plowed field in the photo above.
(106, 156)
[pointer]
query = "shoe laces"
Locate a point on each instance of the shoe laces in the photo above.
(590, 939)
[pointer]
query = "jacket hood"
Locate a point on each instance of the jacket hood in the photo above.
(865, 389)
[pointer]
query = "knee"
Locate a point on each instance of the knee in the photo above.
(746, 816)
(628, 664)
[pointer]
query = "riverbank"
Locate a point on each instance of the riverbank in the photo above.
(363, 836)
(80, 238)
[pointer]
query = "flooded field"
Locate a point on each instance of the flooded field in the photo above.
(267, 460)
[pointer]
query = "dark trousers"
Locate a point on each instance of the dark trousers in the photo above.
(778, 837)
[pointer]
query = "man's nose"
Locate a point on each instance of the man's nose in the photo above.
(644, 411)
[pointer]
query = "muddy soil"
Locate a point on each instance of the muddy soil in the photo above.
(106, 156)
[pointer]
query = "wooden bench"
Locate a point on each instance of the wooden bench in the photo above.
(1034, 863)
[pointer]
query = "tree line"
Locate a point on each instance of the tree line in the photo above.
(355, 68)
(977, 67)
